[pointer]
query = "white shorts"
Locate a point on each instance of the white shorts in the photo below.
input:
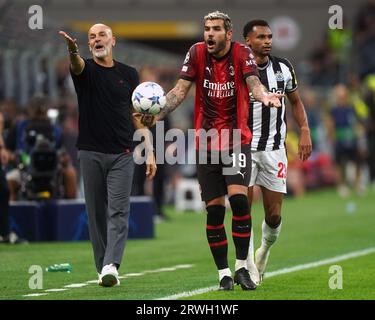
(14, 175)
(269, 169)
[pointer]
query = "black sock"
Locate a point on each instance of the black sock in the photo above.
(216, 236)
(241, 225)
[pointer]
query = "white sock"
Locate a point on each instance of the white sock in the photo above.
(224, 272)
(250, 255)
(269, 235)
(240, 264)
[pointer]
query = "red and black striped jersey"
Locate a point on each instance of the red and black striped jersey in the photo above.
(222, 96)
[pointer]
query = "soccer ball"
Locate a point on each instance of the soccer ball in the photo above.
(148, 97)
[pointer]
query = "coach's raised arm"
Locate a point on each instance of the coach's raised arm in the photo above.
(76, 62)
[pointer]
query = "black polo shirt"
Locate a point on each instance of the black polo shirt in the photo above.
(104, 102)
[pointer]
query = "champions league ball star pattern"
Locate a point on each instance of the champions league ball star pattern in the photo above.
(148, 97)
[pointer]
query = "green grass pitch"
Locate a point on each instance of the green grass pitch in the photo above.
(316, 227)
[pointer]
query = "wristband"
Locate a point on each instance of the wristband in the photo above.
(73, 52)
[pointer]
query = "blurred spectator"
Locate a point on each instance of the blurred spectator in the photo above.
(370, 102)
(295, 181)
(6, 236)
(68, 120)
(356, 96)
(365, 39)
(342, 128)
(10, 113)
(4, 192)
(23, 140)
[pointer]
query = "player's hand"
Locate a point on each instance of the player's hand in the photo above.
(72, 43)
(150, 165)
(144, 120)
(273, 100)
(137, 116)
(304, 145)
(149, 120)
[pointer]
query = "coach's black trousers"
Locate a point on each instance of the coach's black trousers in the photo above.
(107, 182)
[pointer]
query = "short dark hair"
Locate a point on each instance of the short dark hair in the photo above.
(253, 23)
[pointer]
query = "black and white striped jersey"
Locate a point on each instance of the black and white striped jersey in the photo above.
(268, 125)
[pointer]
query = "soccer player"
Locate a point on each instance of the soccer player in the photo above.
(268, 126)
(105, 142)
(224, 72)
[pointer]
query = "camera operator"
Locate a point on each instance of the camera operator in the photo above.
(24, 139)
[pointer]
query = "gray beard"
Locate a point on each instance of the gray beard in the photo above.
(101, 54)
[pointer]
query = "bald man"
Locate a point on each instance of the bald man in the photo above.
(105, 143)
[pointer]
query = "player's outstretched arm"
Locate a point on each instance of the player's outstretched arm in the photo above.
(299, 114)
(261, 93)
(76, 62)
(174, 99)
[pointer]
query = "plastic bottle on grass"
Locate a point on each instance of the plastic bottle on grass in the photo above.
(62, 267)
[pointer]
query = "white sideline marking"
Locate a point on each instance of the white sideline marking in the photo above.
(35, 294)
(76, 285)
(93, 281)
(180, 266)
(126, 275)
(132, 275)
(350, 255)
(55, 290)
(174, 268)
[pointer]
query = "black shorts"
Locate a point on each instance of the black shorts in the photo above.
(215, 176)
(346, 154)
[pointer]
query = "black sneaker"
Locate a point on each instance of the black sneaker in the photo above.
(226, 283)
(242, 277)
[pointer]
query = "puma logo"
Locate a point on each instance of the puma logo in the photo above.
(242, 174)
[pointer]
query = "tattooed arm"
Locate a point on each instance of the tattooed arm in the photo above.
(175, 97)
(261, 93)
